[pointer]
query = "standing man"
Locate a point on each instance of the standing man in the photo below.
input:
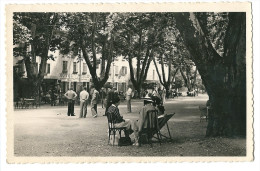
(70, 95)
(163, 96)
(94, 102)
(83, 103)
(128, 99)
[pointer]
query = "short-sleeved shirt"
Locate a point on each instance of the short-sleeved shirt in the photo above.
(129, 92)
(70, 94)
(84, 95)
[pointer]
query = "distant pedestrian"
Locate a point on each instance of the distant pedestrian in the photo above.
(163, 96)
(128, 99)
(83, 102)
(94, 101)
(102, 95)
(71, 95)
(155, 93)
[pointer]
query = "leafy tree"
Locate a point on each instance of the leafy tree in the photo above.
(138, 36)
(166, 54)
(32, 37)
(224, 75)
(93, 36)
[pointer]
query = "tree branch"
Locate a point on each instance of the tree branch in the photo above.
(157, 70)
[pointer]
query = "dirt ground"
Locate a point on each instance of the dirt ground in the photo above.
(48, 131)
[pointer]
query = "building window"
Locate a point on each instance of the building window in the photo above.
(124, 70)
(85, 68)
(116, 70)
(48, 69)
(75, 68)
(65, 67)
(75, 86)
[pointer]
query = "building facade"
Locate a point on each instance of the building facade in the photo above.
(71, 71)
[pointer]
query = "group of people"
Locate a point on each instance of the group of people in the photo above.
(84, 97)
(111, 104)
(93, 96)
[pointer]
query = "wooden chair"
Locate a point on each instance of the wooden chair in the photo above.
(112, 130)
(203, 113)
(152, 127)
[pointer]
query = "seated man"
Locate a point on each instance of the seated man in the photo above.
(119, 121)
(141, 123)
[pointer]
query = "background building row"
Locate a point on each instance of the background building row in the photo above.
(66, 71)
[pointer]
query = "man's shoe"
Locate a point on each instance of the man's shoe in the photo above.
(95, 116)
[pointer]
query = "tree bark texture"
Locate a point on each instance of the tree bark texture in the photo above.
(224, 77)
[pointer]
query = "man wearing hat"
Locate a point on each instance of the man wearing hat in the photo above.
(142, 122)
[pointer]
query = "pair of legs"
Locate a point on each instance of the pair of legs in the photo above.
(128, 124)
(83, 109)
(94, 109)
(71, 108)
(128, 99)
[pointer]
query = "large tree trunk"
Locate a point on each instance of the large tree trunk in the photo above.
(35, 78)
(224, 77)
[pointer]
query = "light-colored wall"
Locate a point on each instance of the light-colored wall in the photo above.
(56, 67)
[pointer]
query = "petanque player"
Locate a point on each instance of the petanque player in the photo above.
(94, 101)
(71, 95)
(83, 103)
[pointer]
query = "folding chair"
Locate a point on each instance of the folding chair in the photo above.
(163, 120)
(112, 129)
(152, 127)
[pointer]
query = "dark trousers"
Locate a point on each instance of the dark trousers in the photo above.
(71, 107)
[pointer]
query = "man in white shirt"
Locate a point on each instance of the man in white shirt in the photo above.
(70, 95)
(83, 103)
(128, 99)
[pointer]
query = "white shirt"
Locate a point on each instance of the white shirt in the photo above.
(84, 95)
(129, 92)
